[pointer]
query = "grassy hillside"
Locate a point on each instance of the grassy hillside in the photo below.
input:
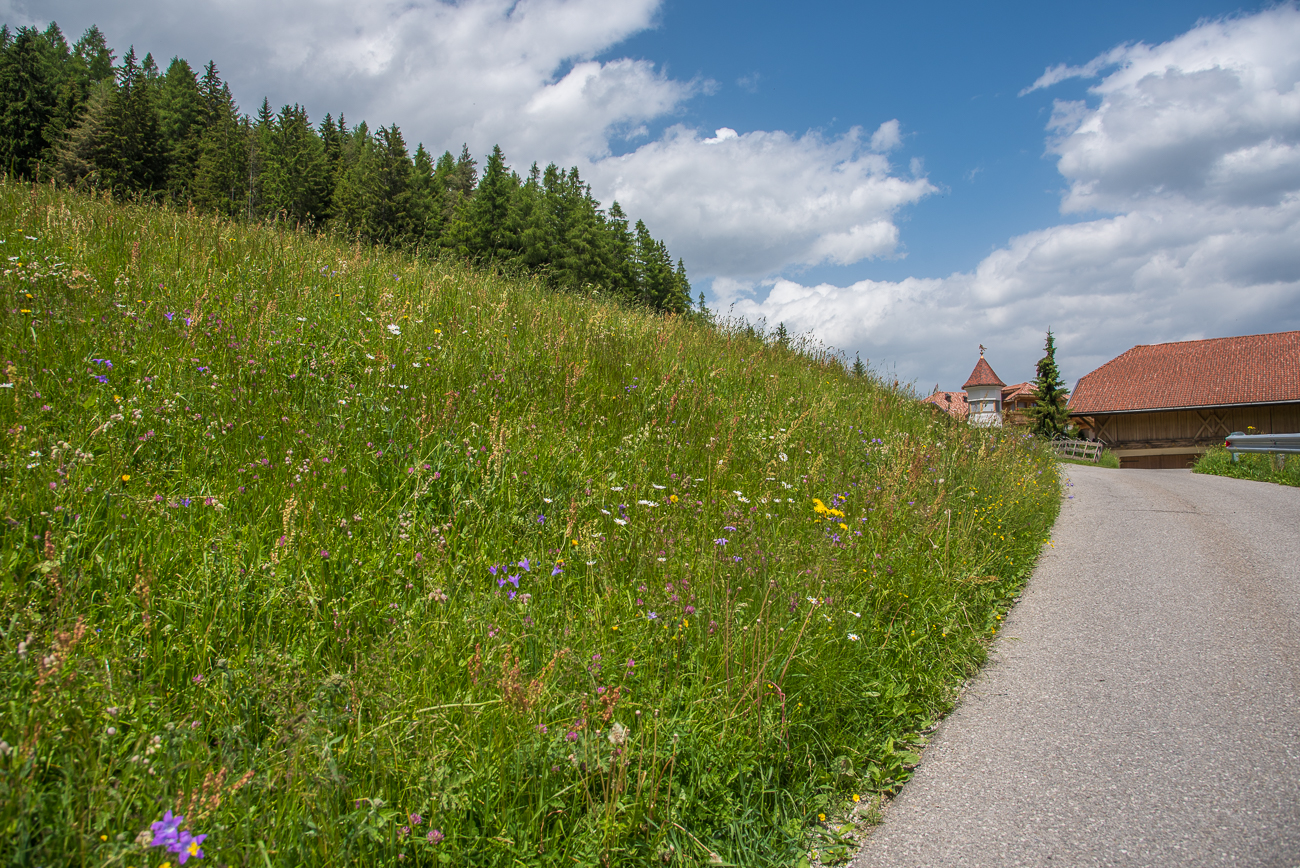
(351, 558)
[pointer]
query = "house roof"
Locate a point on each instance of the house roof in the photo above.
(982, 375)
(953, 403)
(1019, 390)
(1253, 369)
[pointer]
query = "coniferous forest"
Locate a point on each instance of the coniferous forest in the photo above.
(72, 114)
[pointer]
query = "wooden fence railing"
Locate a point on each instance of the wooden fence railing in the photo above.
(1085, 450)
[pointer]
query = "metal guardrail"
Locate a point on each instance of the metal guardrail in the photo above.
(1237, 442)
(1084, 450)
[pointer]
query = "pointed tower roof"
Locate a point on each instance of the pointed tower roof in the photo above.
(983, 374)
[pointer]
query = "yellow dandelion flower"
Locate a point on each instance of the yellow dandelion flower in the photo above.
(126, 477)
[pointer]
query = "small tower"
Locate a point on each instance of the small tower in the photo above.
(984, 394)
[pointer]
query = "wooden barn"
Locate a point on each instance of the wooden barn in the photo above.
(1162, 405)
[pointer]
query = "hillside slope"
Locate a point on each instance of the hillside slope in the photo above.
(349, 557)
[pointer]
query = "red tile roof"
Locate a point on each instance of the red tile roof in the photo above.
(953, 403)
(982, 375)
(1254, 369)
(1019, 390)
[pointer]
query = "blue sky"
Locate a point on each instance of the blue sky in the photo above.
(949, 72)
(874, 174)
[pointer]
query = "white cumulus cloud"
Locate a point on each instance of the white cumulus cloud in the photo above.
(750, 205)
(1187, 154)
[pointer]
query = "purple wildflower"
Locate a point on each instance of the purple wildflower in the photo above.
(557, 570)
(169, 316)
(167, 830)
(435, 835)
(187, 845)
(525, 565)
(720, 541)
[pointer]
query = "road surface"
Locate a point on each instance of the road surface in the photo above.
(1142, 706)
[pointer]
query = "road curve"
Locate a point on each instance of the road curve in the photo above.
(1142, 707)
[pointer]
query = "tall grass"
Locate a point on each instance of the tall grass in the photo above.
(354, 558)
(1282, 469)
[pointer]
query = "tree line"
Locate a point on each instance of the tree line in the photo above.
(70, 113)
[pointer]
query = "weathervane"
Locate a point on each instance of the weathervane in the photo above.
(981, 351)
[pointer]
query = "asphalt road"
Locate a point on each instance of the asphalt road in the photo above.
(1142, 707)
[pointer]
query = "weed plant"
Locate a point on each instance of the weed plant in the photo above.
(319, 555)
(1281, 469)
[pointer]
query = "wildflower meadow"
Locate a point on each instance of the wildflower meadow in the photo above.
(315, 554)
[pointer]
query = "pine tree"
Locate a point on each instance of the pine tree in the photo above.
(221, 173)
(859, 369)
(480, 229)
(782, 335)
(388, 184)
(294, 175)
(118, 145)
(427, 195)
(28, 94)
(92, 49)
(353, 190)
(88, 65)
(181, 112)
(621, 247)
(531, 224)
(1049, 416)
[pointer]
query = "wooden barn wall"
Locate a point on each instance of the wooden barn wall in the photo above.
(1165, 428)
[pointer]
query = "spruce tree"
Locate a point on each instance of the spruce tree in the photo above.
(427, 194)
(1049, 416)
(181, 112)
(92, 49)
(531, 223)
(480, 229)
(28, 93)
(294, 175)
(859, 369)
(622, 253)
(220, 174)
(388, 182)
